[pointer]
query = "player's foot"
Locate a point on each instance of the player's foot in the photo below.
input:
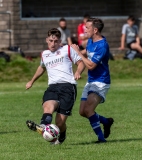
(35, 127)
(56, 142)
(107, 127)
(97, 142)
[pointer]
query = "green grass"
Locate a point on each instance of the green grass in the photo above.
(18, 69)
(123, 103)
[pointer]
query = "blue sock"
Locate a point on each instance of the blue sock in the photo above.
(103, 120)
(95, 123)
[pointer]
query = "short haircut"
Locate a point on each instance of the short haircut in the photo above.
(87, 16)
(62, 19)
(131, 17)
(55, 32)
(97, 23)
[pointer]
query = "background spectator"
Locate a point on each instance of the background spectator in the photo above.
(82, 39)
(65, 32)
(130, 35)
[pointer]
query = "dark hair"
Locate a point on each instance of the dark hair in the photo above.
(62, 19)
(55, 32)
(87, 16)
(97, 23)
(131, 17)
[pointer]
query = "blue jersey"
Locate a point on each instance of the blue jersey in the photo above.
(98, 52)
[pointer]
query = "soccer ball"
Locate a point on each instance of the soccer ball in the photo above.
(51, 133)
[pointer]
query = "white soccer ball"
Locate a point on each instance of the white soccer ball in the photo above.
(51, 133)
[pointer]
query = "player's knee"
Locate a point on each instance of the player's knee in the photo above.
(46, 109)
(81, 112)
(88, 111)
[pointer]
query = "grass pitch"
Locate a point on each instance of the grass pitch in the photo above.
(17, 142)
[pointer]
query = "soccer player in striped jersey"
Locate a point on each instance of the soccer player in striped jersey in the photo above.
(61, 92)
(95, 58)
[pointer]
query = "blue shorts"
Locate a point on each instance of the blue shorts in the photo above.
(98, 88)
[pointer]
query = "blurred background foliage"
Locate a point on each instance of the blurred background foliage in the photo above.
(20, 69)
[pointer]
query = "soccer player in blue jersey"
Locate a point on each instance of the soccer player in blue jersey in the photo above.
(95, 58)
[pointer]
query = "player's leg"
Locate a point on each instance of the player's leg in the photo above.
(81, 108)
(105, 121)
(92, 102)
(48, 108)
(60, 121)
(136, 46)
(102, 89)
(67, 93)
(84, 100)
(50, 104)
(89, 104)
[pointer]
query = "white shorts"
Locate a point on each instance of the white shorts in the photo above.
(99, 88)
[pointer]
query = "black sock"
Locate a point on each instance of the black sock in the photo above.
(46, 118)
(62, 136)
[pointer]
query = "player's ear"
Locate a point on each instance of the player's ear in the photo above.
(95, 30)
(46, 40)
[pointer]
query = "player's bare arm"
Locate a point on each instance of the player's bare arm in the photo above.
(40, 70)
(79, 70)
(89, 64)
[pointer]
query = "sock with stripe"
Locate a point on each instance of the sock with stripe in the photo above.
(95, 123)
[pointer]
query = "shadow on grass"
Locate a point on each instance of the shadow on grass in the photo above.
(109, 141)
(125, 140)
(9, 132)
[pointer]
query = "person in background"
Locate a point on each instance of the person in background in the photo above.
(130, 35)
(65, 32)
(82, 39)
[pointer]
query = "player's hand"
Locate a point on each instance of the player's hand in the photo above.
(77, 75)
(75, 47)
(29, 85)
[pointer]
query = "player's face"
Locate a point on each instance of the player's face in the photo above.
(90, 30)
(53, 43)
